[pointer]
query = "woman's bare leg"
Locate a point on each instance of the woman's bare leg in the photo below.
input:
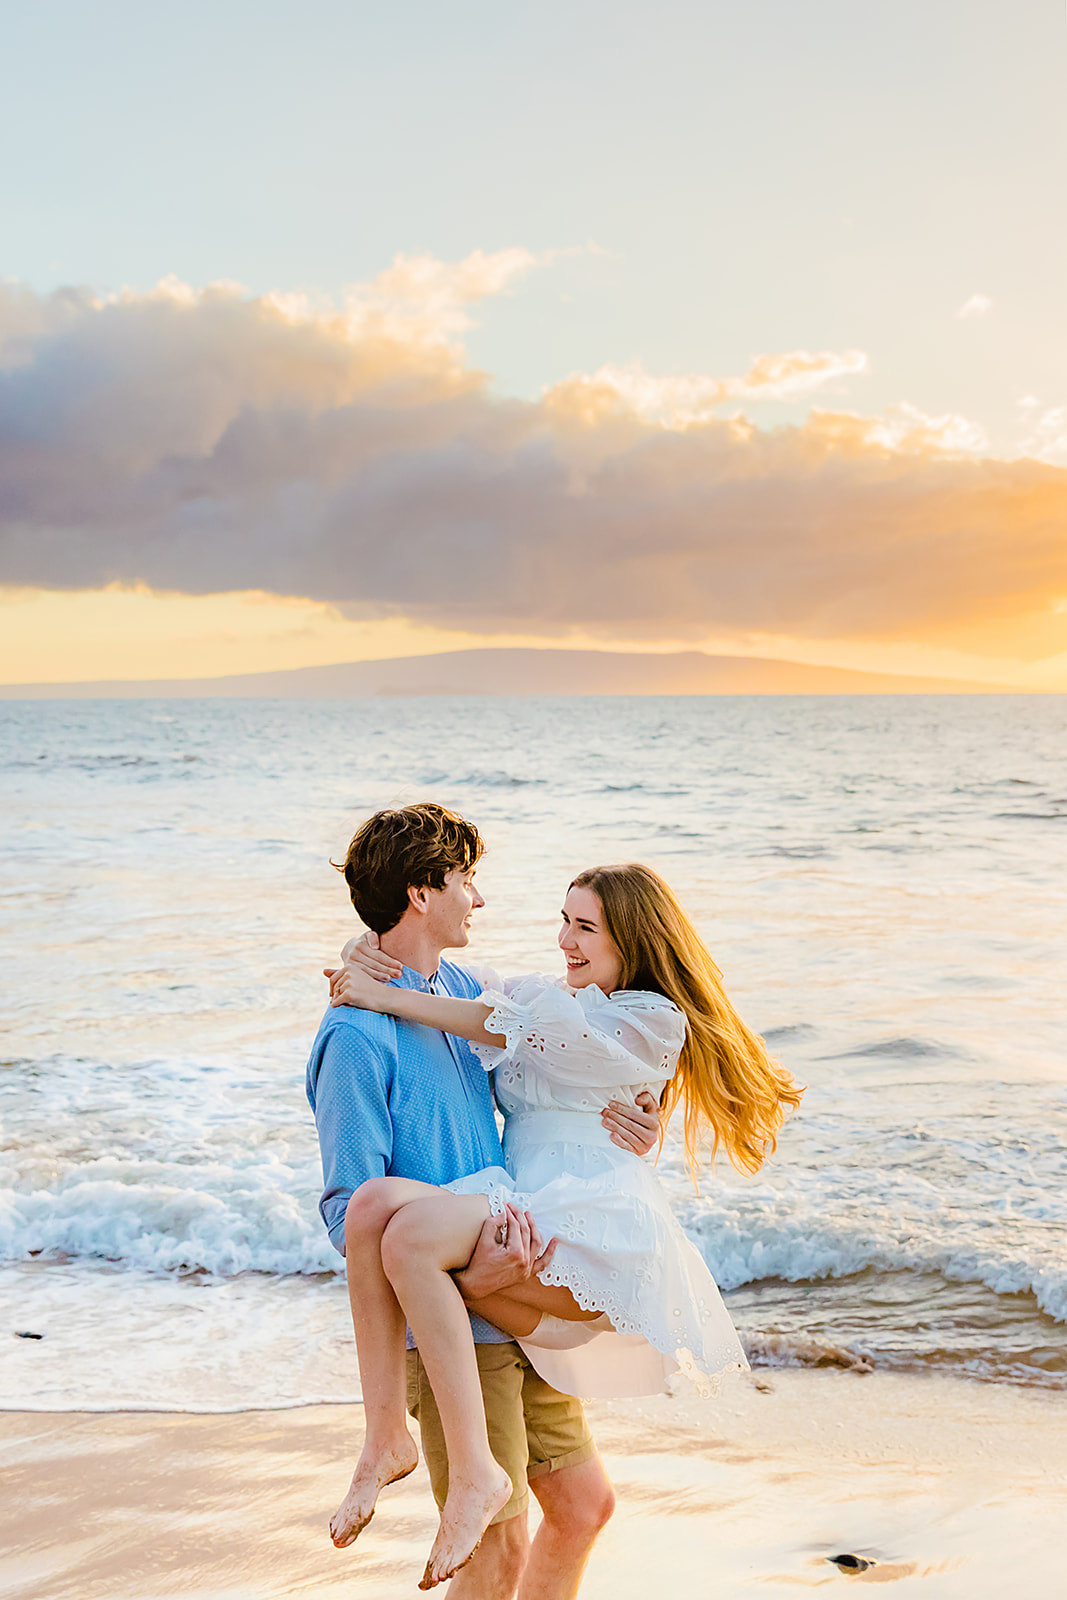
(430, 1234)
(422, 1245)
(519, 1309)
(389, 1452)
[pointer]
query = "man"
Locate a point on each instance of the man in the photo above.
(391, 1097)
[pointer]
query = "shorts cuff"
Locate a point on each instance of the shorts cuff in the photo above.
(517, 1506)
(570, 1458)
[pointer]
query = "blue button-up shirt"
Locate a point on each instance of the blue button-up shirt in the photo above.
(399, 1099)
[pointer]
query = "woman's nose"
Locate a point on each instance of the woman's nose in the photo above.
(566, 938)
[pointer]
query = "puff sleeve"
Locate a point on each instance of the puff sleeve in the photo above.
(584, 1038)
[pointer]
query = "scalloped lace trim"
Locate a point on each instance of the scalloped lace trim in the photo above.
(705, 1377)
(504, 1019)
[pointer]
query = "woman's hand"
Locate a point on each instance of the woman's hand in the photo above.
(635, 1128)
(366, 952)
(366, 968)
(351, 986)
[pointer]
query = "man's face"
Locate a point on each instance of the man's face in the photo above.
(451, 909)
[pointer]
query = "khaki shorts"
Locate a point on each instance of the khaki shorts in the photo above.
(532, 1428)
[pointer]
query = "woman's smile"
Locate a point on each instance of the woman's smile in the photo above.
(590, 953)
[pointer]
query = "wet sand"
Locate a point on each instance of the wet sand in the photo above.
(951, 1488)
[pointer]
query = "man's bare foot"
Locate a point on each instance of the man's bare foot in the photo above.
(372, 1474)
(468, 1511)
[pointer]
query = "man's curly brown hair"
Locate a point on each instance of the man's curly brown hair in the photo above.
(411, 847)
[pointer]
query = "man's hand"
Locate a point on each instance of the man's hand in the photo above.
(510, 1250)
(635, 1128)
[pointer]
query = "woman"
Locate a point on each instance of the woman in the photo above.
(626, 1299)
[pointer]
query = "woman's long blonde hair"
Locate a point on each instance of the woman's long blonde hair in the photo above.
(729, 1085)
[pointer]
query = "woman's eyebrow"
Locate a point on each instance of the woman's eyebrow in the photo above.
(583, 922)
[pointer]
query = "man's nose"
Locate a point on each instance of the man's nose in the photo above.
(477, 900)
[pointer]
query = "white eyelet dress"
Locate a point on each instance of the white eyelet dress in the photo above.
(621, 1251)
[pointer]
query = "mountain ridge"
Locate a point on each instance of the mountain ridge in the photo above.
(519, 672)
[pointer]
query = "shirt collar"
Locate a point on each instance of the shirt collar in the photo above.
(410, 979)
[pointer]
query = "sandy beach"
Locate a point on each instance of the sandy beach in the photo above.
(950, 1487)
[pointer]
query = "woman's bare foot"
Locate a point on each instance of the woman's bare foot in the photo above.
(372, 1474)
(468, 1511)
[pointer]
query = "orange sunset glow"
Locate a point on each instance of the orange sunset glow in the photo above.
(612, 378)
(262, 484)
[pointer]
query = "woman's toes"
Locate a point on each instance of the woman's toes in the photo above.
(370, 1477)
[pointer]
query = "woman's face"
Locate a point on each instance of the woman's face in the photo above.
(591, 955)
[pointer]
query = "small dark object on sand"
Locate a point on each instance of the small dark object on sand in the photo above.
(850, 1563)
(29, 1336)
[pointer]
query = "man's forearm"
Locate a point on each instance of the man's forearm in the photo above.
(481, 1283)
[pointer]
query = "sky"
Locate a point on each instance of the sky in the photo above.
(330, 331)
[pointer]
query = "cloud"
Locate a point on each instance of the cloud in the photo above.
(420, 292)
(695, 397)
(977, 306)
(205, 441)
(904, 427)
(1046, 438)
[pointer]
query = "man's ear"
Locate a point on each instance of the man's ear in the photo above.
(419, 898)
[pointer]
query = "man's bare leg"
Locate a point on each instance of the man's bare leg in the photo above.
(494, 1571)
(577, 1503)
(389, 1452)
(425, 1241)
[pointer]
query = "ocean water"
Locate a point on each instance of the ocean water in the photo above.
(882, 880)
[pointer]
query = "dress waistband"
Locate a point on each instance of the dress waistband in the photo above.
(550, 1127)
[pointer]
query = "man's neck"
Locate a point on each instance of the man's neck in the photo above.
(411, 946)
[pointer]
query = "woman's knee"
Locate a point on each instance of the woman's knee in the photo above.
(411, 1240)
(405, 1240)
(369, 1210)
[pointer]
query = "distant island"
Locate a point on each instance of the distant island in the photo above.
(517, 672)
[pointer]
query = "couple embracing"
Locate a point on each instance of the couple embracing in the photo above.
(444, 1230)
